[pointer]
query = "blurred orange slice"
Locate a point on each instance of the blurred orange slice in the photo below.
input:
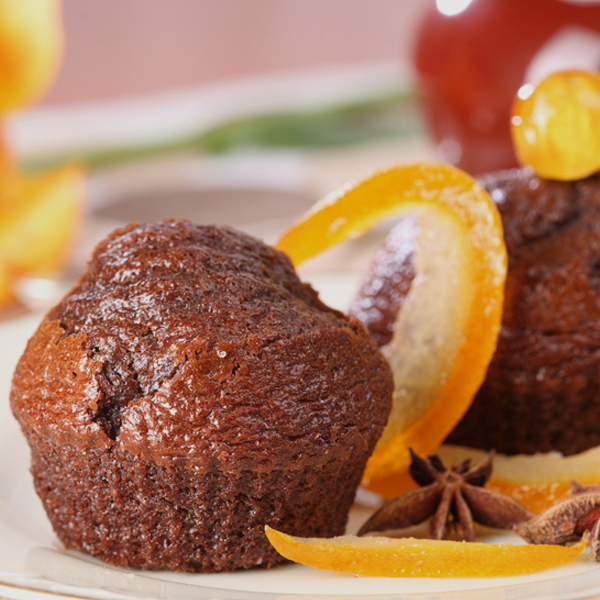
(409, 557)
(31, 46)
(9, 175)
(446, 334)
(37, 233)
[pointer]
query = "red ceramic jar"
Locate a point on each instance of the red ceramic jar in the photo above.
(472, 57)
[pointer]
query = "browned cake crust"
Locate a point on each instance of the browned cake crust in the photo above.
(189, 391)
(542, 390)
(137, 514)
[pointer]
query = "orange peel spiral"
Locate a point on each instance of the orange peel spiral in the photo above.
(447, 331)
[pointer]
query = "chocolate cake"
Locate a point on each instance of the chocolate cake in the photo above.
(188, 391)
(542, 390)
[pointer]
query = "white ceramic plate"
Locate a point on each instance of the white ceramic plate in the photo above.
(33, 563)
(31, 557)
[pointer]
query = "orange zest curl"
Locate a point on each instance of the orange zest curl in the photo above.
(446, 333)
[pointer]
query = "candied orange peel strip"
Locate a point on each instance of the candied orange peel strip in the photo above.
(555, 125)
(447, 330)
(537, 480)
(410, 557)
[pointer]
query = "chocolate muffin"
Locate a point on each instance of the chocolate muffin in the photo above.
(542, 390)
(188, 391)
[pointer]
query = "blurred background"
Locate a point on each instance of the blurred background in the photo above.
(225, 111)
(117, 49)
(246, 112)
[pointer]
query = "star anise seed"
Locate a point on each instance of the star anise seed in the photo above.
(568, 520)
(455, 499)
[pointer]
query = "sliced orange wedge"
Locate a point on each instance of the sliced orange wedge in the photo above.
(409, 557)
(37, 233)
(446, 333)
(537, 481)
(556, 125)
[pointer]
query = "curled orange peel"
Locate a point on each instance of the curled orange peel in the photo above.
(446, 333)
(410, 557)
(555, 125)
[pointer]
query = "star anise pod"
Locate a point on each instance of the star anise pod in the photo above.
(568, 520)
(455, 498)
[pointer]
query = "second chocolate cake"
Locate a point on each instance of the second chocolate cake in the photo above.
(188, 391)
(542, 390)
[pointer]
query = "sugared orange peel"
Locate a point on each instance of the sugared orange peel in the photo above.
(409, 557)
(36, 234)
(446, 333)
(537, 481)
(556, 125)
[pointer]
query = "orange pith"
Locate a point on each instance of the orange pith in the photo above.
(455, 309)
(556, 125)
(409, 557)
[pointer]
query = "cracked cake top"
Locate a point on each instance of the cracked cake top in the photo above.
(199, 346)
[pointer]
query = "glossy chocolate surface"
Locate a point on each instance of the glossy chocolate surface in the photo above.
(196, 350)
(542, 390)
